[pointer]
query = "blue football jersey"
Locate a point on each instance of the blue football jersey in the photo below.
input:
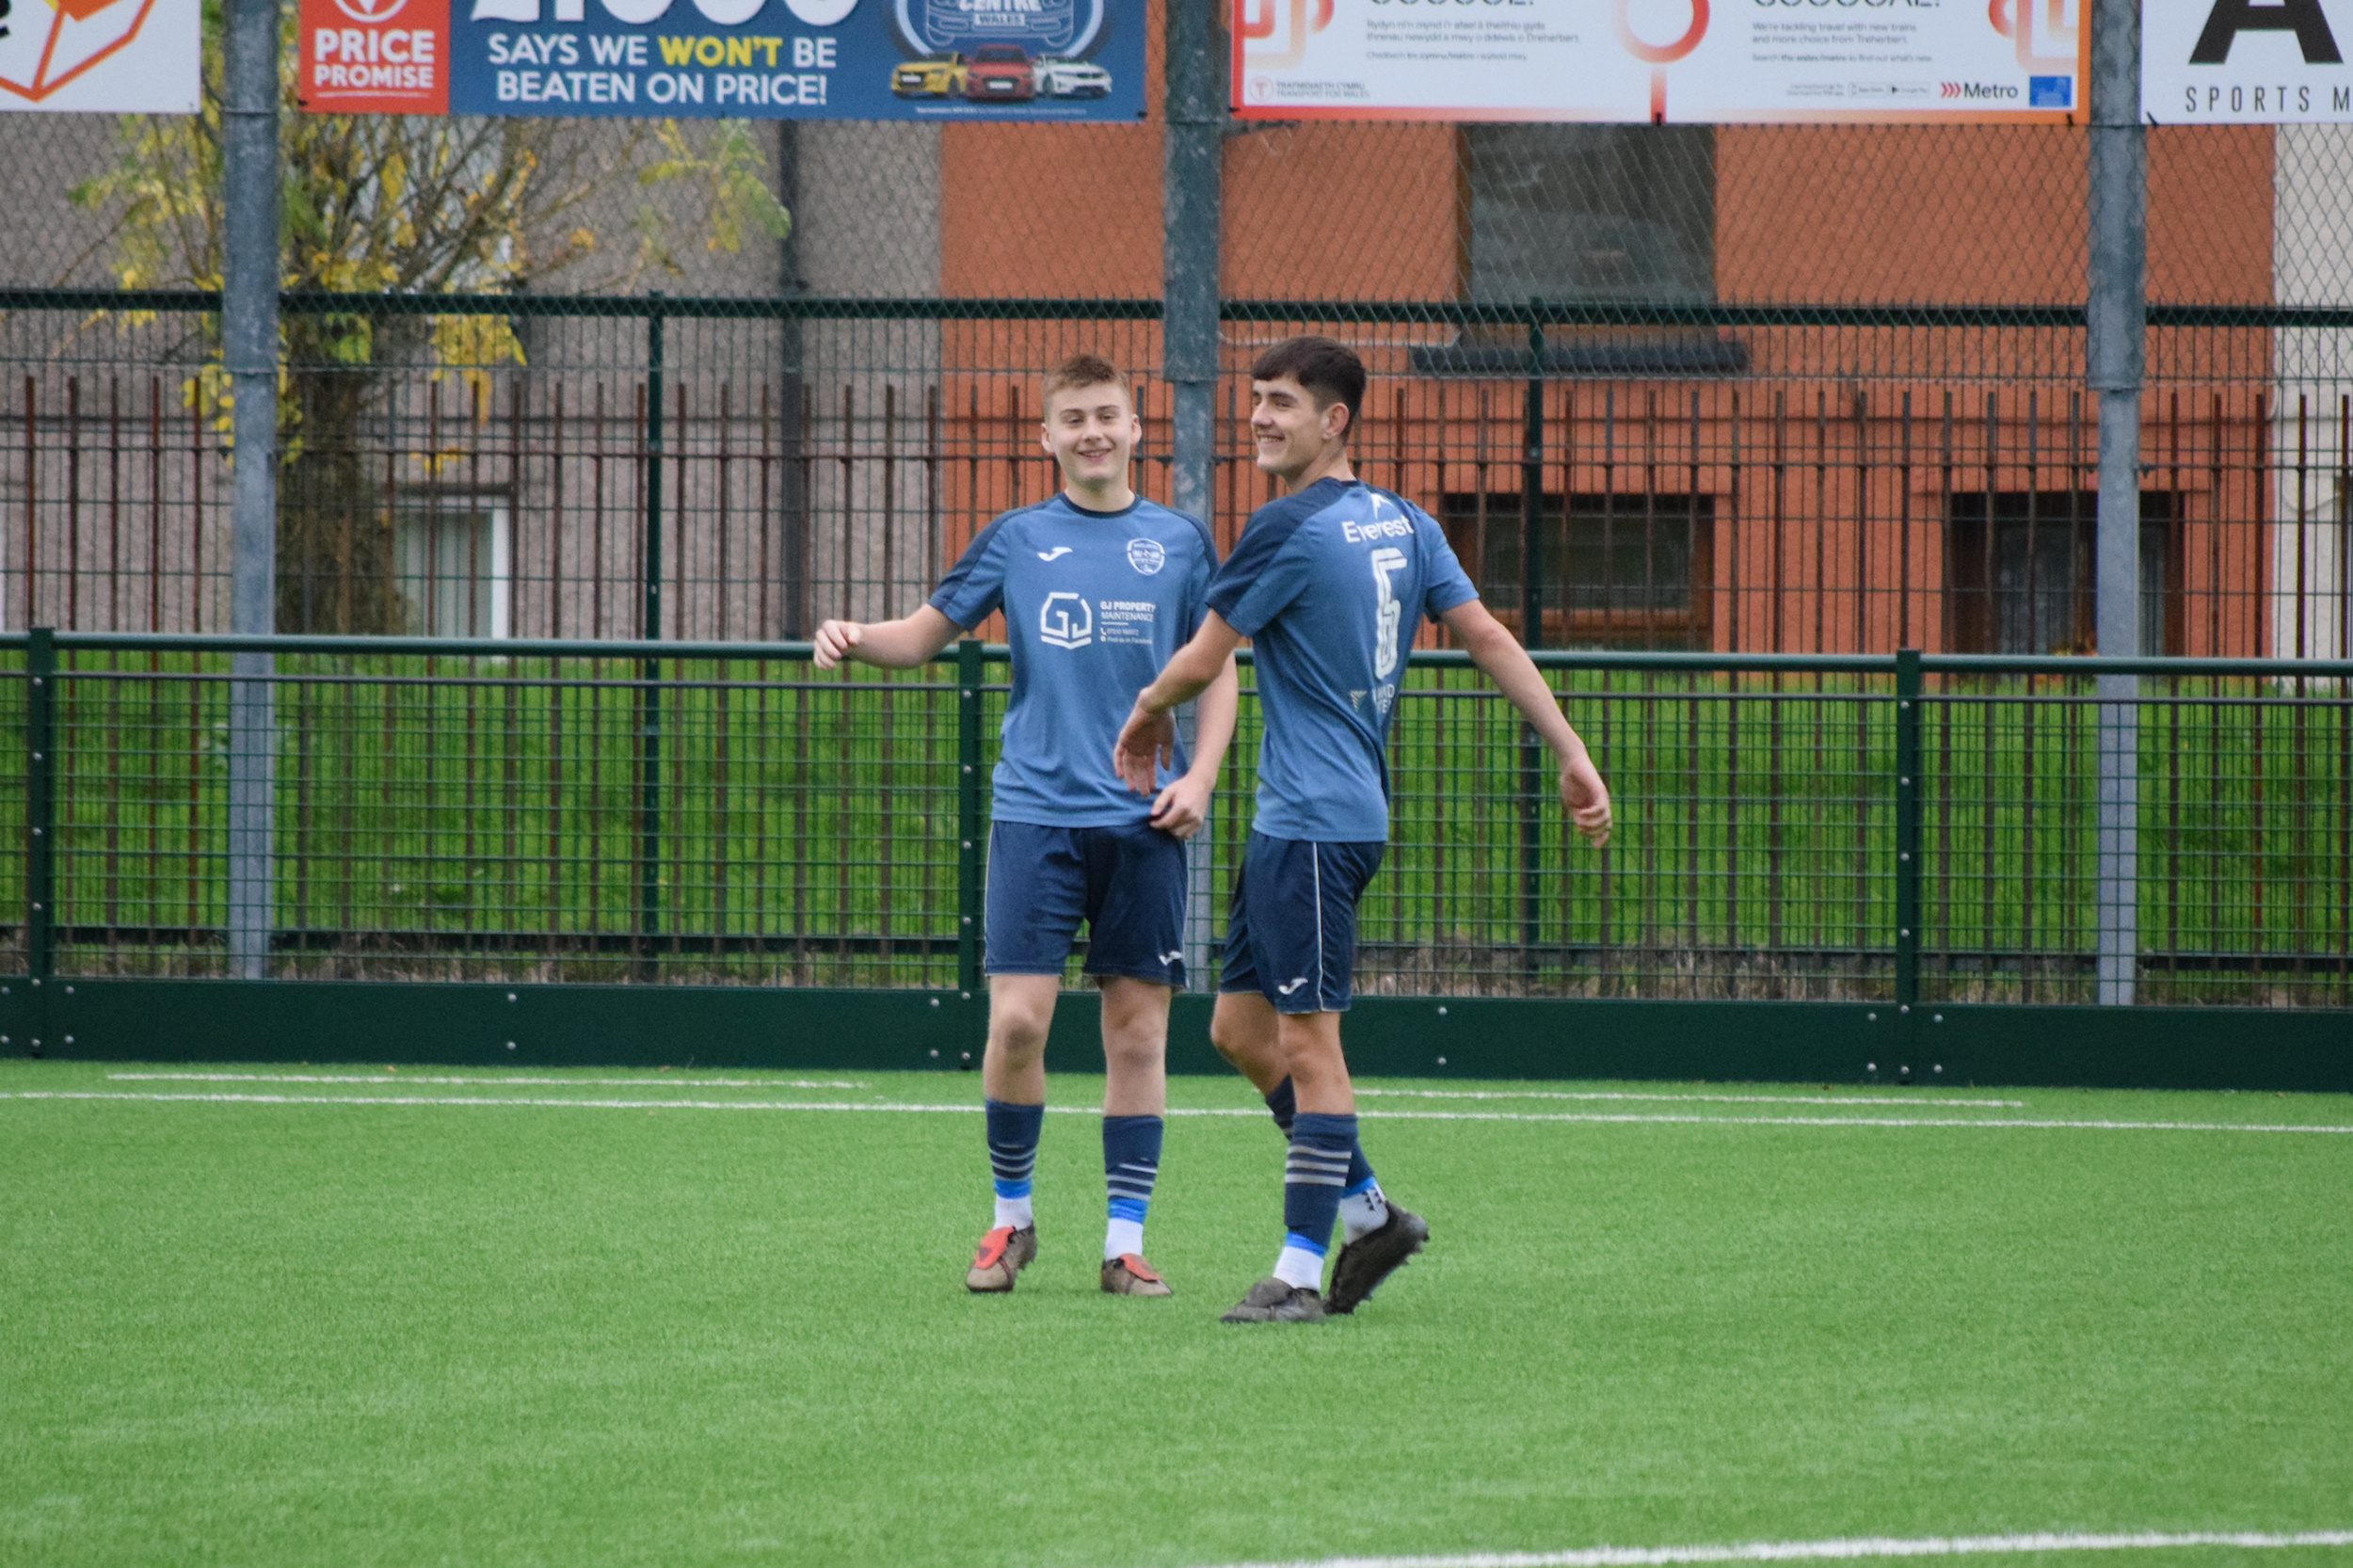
(1095, 604)
(1330, 586)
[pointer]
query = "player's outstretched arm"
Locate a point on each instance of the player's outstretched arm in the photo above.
(1493, 649)
(1184, 806)
(896, 645)
(1150, 736)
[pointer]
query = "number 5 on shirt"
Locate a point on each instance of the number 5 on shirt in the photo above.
(1385, 561)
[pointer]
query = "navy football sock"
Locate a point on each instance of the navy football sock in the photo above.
(1132, 1161)
(1013, 1133)
(1312, 1178)
(1283, 1101)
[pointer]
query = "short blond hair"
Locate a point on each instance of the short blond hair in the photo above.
(1087, 370)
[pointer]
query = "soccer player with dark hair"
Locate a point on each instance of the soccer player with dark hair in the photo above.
(1329, 584)
(1099, 587)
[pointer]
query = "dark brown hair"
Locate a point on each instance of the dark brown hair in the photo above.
(1330, 371)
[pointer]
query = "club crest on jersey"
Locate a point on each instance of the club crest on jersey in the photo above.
(1066, 620)
(1147, 556)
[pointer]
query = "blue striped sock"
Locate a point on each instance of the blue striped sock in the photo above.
(1132, 1161)
(1312, 1178)
(1283, 1101)
(1012, 1134)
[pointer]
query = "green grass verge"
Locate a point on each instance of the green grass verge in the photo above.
(266, 1335)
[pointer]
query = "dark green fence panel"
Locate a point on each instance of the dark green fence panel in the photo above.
(1886, 842)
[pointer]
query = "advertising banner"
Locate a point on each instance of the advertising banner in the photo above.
(106, 57)
(734, 60)
(1705, 61)
(2225, 62)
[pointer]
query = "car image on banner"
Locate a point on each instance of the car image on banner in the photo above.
(1000, 73)
(759, 59)
(1062, 78)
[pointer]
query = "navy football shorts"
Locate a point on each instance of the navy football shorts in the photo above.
(1291, 932)
(1128, 883)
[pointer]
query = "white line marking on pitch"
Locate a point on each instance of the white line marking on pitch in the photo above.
(843, 1084)
(1818, 1551)
(396, 1080)
(1671, 1099)
(1625, 1118)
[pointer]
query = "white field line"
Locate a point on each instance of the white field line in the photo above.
(396, 1080)
(1619, 1118)
(1831, 1551)
(843, 1084)
(1715, 1100)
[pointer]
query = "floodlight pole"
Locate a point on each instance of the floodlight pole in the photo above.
(249, 332)
(2115, 355)
(1193, 152)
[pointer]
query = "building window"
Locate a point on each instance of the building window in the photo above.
(1623, 570)
(451, 564)
(2024, 582)
(1590, 212)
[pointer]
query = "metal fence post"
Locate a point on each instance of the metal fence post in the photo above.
(1192, 157)
(249, 355)
(652, 568)
(968, 909)
(41, 819)
(1532, 633)
(2116, 321)
(1907, 840)
(650, 668)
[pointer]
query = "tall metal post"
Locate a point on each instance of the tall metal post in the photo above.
(1192, 156)
(969, 981)
(41, 821)
(2116, 320)
(1907, 841)
(791, 335)
(1532, 633)
(249, 277)
(650, 668)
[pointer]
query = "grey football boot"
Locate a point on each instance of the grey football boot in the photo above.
(1271, 1301)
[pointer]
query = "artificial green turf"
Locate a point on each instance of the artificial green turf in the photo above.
(324, 1333)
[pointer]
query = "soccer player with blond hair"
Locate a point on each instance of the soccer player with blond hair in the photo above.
(1099, 587)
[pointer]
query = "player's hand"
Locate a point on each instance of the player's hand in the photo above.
(1587, 798)
(1182, 808)
(1147, 742)
(834, 641)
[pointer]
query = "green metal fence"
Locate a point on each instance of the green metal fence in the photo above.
(1880, 830)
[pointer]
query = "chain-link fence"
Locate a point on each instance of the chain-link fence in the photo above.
(1711, 477)
(1979, 214)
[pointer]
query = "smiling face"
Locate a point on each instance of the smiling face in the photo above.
(1293, 435)
(1092, 431)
